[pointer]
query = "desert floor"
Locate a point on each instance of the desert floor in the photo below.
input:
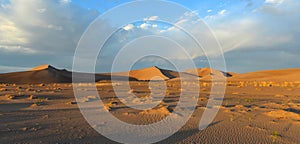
(252, 112)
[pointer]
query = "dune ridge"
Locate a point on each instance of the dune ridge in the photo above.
(50, 74)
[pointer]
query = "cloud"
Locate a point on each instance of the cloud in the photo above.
(152, 18)
(274, 1)
(145, 26)
(40, 30)
(65, 1)
(256, 33)
(43, 26)
(128, 27)
(49, 31)
(222, 12)
(16, 48)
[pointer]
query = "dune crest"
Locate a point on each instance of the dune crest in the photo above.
(42, 67)
(208, 73)
(151, 72)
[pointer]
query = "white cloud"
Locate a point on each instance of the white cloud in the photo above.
(17, 48)
(222, 12)
(10, 34)
(43, 26)
(152, 18)
(145, 26)
(209, 10)
(65, 1)
(274, 1)
(128, 27)
(155, 26)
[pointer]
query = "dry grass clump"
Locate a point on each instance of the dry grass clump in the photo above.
(71, 102)
(24, 129)
(249, 100)
(32, 97)
(28, 89)
(39, 102)
(235, 93)
(275, 135)
(130, 91)
(19, 89)
(9, 96)
(108, 106)
(41, 85)
(3, 89)
(204, 84)
(57, 89)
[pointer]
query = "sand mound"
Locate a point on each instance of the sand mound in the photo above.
(283, 114)
(208, 73)
(274, 75)
(151, 73)
(49, 74)
(159, 111)
(40, 74)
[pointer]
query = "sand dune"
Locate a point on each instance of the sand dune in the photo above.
(40, 74)
(155, 73)
(272, 75)
(208, 73)
(202, 72)
(50, 74)
(251, 112)
(152, 72)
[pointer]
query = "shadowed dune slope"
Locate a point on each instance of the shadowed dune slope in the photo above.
(207, 73)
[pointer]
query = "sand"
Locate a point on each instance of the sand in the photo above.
(254, 110)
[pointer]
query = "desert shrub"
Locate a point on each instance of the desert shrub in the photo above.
(41, 85)
(32, 97)
(40, 101)
(3, 89)
(108, 106)
(9, 96)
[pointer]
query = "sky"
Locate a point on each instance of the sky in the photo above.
(253, 34)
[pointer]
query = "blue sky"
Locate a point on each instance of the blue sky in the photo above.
(254, 34)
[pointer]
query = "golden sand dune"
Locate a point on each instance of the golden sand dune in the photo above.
(203, 72)
(250, 113)
(42, 67)
(208, 73)
(274, 75)
(155, 73)
(50, 74)
(40, 74)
